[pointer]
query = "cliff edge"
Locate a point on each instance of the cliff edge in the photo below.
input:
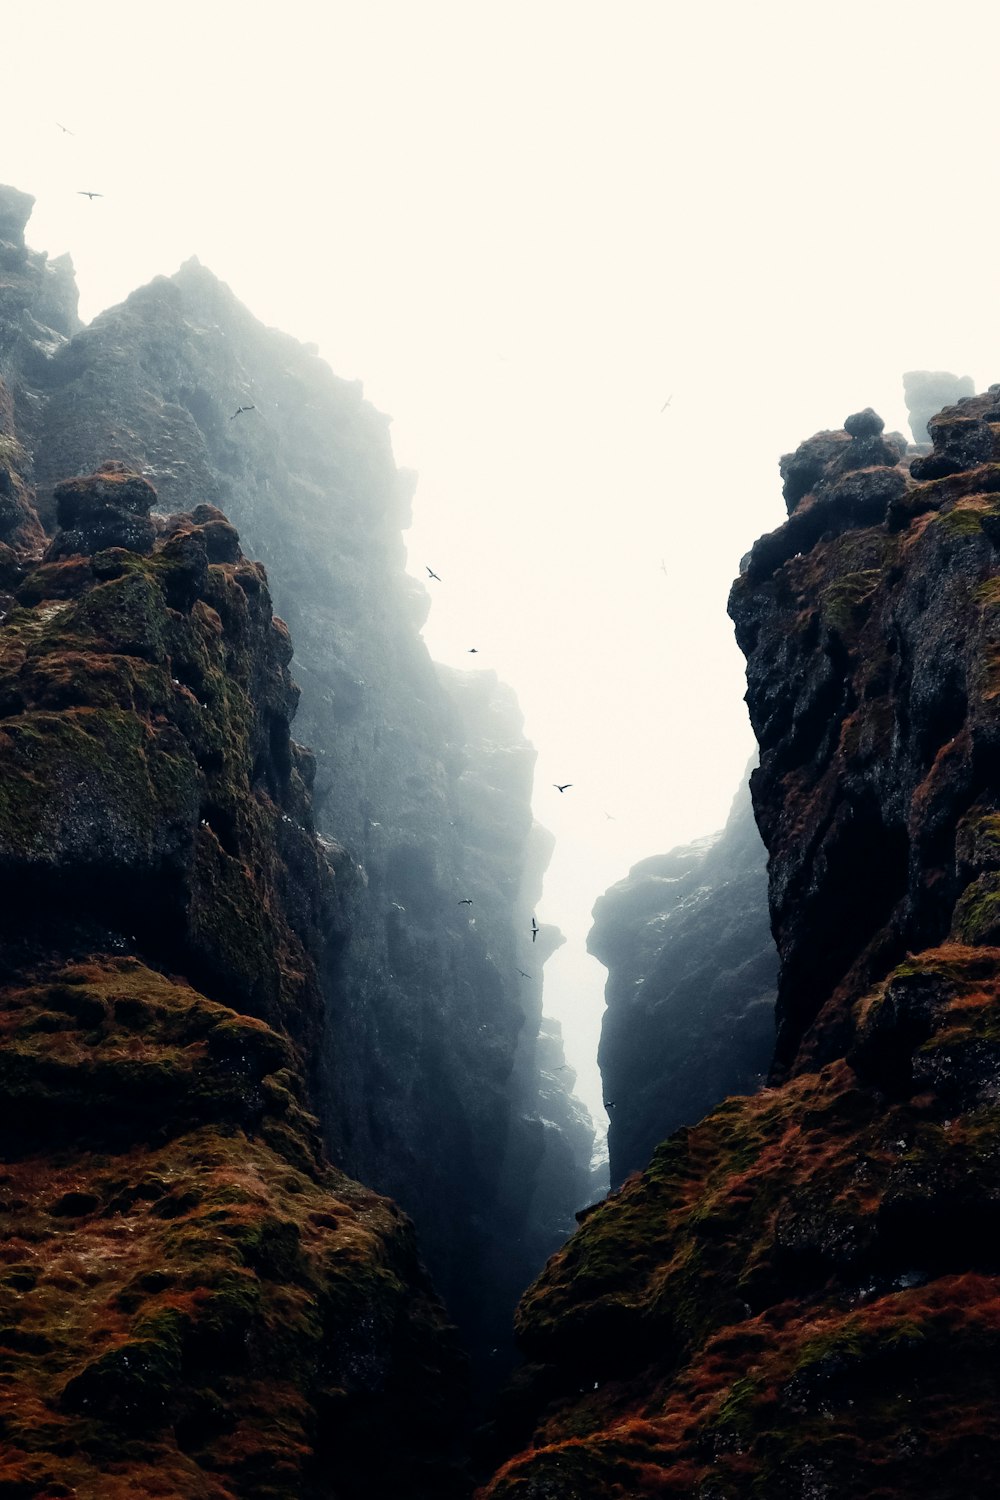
(801, 1294)
(193, 1301)
(692, 973)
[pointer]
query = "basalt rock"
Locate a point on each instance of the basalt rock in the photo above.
(801, 1294)
(193, 1301)
(106, 509)
(692, 974)
(432, 1090)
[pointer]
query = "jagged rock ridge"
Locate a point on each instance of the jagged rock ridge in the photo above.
(692, 972)
(801, 1294)
(192, 1300)
(431, 1085)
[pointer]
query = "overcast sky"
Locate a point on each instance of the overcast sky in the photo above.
(526, 226)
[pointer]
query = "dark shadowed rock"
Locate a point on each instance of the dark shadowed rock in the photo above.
(962, 439)
(106, 509)
(692, 974)
(864, 424)
(432, 1089)
(193, 1301)
(799, 1295)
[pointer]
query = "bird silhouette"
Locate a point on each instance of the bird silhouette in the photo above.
(82, 193)
(432, 573)
(239, 409)
(666, 403)
(535, 929)
(465, 901)
(610, 817)
(523, 974)
(65, 130)
(473, 651)
(563, 787)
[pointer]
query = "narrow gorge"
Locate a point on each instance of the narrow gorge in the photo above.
(290, 1156)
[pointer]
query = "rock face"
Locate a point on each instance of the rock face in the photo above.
(692, 974)
(927, 391)
(429, 1082)
(37, 313)
(801, 1293)
(192, 1300)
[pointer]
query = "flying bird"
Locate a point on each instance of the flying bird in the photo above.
(609, 1104)
(611, 817)
(564, 786)
(666, 403)
(523, 974)
(465, 901)
(535, 929)
(473, 651)
(65, 130)
(432, 573)
(663, 567)
(239, 409)
(82, 193)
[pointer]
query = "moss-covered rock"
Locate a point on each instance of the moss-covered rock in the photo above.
(800, 1295)
(194, 1302)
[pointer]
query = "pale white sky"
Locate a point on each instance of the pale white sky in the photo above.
(525, 225)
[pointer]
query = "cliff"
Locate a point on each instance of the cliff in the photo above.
(800, 1295)
(692, 973)
(427, 1081)
(192, 1300)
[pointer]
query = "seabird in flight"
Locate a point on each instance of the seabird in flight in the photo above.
(432, 573)
(563, 787)
(465, 901)
(239, 409)
(65, 130)
(666, 403)
(535, 929)
(82, 193)
(473, 651)
(523, 974)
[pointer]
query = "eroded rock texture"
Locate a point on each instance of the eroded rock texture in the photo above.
(431, 1087)
(692, 973)
(801, 1295)
(192, 1300)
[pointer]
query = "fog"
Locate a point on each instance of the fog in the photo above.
(602, 266)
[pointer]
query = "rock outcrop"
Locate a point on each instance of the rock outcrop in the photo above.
(927, 391)
(692, 973)
(192, 1300)
(801, 1294)
(429, 1086)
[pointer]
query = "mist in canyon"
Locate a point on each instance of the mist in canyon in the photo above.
(600, 271)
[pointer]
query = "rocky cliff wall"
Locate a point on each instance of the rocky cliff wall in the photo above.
(800, 1296)
(692, 974)
(192, 1300)
(429, 1082)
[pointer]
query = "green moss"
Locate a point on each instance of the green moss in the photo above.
(976, 918)
(845, 603)
(962, 521)
(125, 614)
